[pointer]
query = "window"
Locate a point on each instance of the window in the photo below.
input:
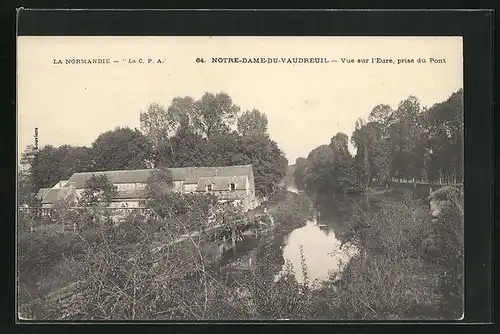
(209, 187)
(233, 187)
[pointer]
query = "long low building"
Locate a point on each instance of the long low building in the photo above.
(229, 183)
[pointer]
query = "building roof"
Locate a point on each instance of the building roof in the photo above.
(118, 176)
(221, 183)
(42, 192)
(189, 175)
(55, 195)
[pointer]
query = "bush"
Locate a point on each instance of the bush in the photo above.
(390, 278)
(384, 286)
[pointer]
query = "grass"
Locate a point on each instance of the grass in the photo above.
(391, 277)
(127, 272)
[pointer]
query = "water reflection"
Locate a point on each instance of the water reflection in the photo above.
(321, 249)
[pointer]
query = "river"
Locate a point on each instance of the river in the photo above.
(314, 244)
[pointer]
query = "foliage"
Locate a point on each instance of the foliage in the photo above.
(330, 169)
(30, 215)
(98, 190)
(156, 125)
(299, 173)
(412, 142)
(25, 186)
(159, 183)
(214, 114)
(268, 161)
(252, 123)
(193, 209)
(185, 148)
(49, 165)
(392, 277)
(122, 148)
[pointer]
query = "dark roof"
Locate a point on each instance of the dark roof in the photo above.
(187, 174)
(221, 183)
(118, 176)
(191, 175)
(42, 192)
(56, 195)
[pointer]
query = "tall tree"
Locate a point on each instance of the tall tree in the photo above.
(252, 123)
(269, 163)
(50, 164)
(227, 149)
(381, 114)
(182, 112)
(214, 113)
(122, 148)
(185, 148)
(407, 114)
(339, 144)
(444, 135)
(320, 172)
(299, 172)
(156, 125)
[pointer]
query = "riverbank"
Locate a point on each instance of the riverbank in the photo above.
(387, 279)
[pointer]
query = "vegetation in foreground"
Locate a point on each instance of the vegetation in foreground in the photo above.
(129, 271)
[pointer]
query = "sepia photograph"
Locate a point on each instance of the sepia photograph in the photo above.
(196, 178)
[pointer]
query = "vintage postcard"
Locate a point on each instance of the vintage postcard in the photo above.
(240, 178)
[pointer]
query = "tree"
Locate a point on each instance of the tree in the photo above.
(98, 191)
(252, 123)
(443, 126)
(185, 148)
(159, 183)
(406, 133)
(382, 158)
(269, 163)
(214, 113)
(320, 172)
(122, 148)
(339, 145)
(299, 172)
(227, 150)
(156, 124)
(381, 114)
(182, 112)
(362, 138)
(50, 164)
(25, 185)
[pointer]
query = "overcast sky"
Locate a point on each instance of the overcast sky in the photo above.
(306, 104)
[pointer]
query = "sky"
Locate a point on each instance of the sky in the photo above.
(306, 104)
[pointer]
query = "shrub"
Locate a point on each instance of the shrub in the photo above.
(390, 277)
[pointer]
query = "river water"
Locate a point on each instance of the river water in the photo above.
(315, 244)
(316, 247)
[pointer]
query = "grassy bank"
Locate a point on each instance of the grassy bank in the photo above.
(126, 272)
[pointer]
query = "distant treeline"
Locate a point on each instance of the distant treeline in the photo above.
(409, 143)
(210, 131)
